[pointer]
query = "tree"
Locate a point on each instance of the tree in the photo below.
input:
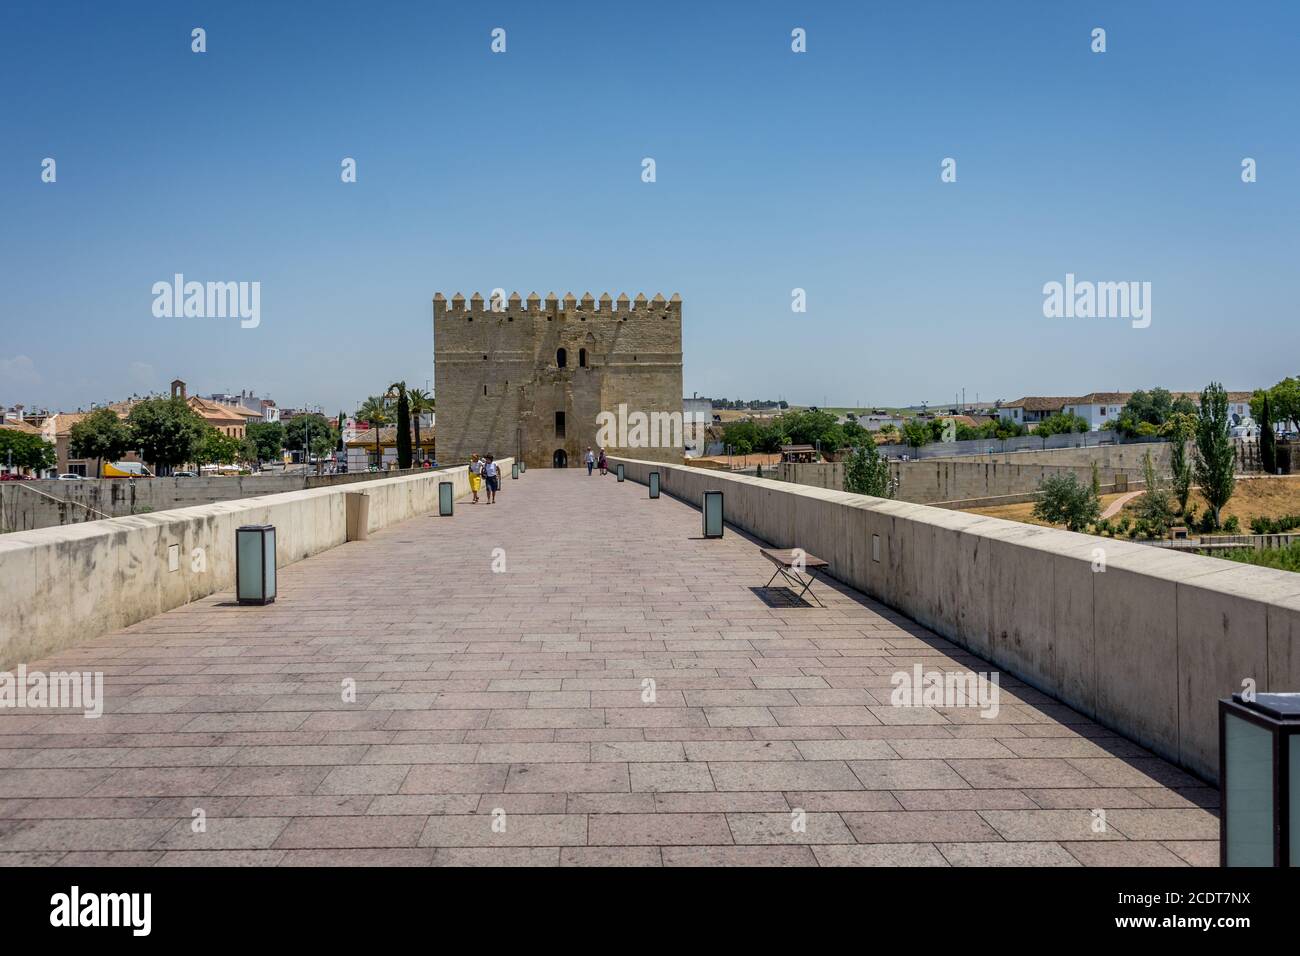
(22, 450)
(852, 435)
(811, 427)
(312, 432)
(100, 435)
(421, 403)
(267, 439)
(403, 425)
(916, 433)
(750, 436)
(1004, 428)
(1154, 507)
(866, 473)
(375, 411)
(1284, 403)
(166, 431)
(1151, 409)
(1061, 424)
(1215, 454)
(1267, 440)
(1063, 499)
(1184, 426)
(215, 448)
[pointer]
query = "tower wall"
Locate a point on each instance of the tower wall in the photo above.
(499, 384)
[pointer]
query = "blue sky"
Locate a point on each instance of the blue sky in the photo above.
(775, 171)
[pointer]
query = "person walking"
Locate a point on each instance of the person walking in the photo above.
(590, 459)
(603, 463)
(492, 475)
(475, 476)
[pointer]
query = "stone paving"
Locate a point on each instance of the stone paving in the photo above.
(499, 718)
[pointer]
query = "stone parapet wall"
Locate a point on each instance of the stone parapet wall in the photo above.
(60, 586)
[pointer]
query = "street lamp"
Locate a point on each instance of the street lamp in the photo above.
(1259, 780)
(712, 514)
(255, 564)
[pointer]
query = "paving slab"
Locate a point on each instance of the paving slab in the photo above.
(623, 694)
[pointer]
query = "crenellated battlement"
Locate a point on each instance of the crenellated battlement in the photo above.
(553, 305)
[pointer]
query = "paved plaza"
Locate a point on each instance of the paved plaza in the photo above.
(403, 703)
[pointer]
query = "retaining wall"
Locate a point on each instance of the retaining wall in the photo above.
(27, 505)
(962, 480)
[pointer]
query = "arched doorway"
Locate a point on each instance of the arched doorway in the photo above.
(559, 459)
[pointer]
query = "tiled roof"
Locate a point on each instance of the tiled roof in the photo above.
(1039, 403)
(215, 411)
(18, 425)
(1102, 398)
(60, 423)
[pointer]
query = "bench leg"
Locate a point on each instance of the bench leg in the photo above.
(793, 579)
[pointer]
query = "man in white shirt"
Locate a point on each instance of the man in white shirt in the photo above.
(492, 475)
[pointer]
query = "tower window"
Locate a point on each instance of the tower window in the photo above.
(582, 358)
(484, 389)
(561, 358)
(559, 424)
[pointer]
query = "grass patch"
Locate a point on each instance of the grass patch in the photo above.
(1284, 559)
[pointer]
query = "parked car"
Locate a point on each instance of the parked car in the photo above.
(15, 476)
(184, 474)
(72, 477)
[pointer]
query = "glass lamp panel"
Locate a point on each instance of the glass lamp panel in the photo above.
(1293, 795)
(1249, 792)
(249, 544)
(713, 513)
(268, 556)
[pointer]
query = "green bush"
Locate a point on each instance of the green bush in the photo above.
(1262, 525)
(1063, 499)
(1232, 525)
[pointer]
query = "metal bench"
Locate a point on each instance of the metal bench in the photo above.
(791, 563)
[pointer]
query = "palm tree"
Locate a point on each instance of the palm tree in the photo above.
(421, 402)
(375, 411)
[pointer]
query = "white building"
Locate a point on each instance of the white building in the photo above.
(1099, 408)
(1032, 408)
(697, 416)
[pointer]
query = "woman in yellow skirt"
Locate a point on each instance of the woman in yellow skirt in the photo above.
(475, 470)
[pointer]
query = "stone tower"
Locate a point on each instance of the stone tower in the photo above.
(539, 380)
